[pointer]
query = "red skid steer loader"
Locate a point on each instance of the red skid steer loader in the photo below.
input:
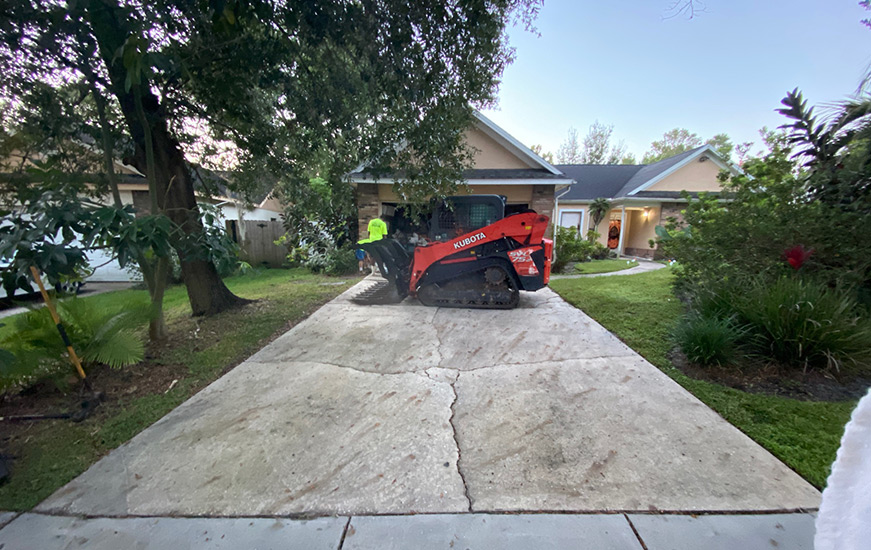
(476, 257)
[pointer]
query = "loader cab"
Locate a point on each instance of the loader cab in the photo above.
(455, 216)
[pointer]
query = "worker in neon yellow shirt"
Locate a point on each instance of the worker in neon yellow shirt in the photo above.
(377, 229)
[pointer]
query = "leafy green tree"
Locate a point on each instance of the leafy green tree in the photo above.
(570, 151)
(723, 145)
(538, 149)
(673, 142)
(628, 158)
(835, 152)
(597, 147)
(284, 82)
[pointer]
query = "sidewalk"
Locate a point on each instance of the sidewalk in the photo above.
(420, 532)
(642, 267)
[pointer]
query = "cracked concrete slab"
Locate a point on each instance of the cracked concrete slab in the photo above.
(409, 409)
(277, 439)
(608, 434)
(366, 338)
(36, 531)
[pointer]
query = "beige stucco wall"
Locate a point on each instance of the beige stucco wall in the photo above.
(489, 154)
(695, 176)
(641, 230)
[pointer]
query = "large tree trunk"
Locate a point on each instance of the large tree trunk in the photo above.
(156, 284)
(175, 191)
(207, 293)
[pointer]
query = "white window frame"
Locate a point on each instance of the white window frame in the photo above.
(580, 211)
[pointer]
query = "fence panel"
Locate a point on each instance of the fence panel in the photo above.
(257, 242)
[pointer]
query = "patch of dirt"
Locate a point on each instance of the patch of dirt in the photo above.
(772, 379)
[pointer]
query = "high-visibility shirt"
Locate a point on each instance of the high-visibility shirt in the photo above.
(377, 229)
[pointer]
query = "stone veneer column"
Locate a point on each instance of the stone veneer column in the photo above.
(368, 207)
(671, 210)
(542, 202)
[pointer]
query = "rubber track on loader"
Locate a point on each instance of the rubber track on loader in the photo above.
(379, 294)
(470, 292)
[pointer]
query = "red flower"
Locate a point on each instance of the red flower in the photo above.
(797, 255)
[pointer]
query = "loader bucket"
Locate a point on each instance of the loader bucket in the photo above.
(394, 262)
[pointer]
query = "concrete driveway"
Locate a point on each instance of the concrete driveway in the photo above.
(403, 409)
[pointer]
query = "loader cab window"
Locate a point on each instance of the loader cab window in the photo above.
(456, 216)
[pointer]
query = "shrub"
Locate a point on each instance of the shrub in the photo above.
(341, 261)
(99, 336)
(806, 324)
(570, 247)
(708, 340)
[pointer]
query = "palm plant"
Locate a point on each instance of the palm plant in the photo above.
(835, 149)
(99, 336)
(598, 209)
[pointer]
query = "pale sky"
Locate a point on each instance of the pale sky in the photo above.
(726, 70)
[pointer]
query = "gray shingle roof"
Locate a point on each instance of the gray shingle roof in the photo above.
(477, 174)
(596, 180)
(613, 181)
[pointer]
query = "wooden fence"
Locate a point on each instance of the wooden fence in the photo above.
(256, 240)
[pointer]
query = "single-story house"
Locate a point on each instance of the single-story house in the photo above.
(641, 196)
(501, 166)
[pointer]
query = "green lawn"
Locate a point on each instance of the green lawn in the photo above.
(603, 266)
(641, 310)
(54, 452)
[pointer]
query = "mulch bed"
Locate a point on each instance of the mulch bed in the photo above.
(772, 379)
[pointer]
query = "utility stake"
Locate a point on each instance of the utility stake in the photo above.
(60, 328)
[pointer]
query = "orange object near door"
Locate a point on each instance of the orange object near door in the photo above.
(614, 234)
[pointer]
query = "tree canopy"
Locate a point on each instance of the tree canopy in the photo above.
(680, 140)
(595, 148)
(673, 142)
(286, 83)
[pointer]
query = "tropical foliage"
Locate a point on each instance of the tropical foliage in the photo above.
(99, 336)
(571, 247)
(782, 260)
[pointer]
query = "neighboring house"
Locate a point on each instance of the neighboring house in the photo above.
(641, 196)
(210, 187)
(501, 166)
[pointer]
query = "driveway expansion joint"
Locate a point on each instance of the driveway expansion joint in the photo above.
(457, 442)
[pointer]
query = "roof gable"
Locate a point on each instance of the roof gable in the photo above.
(667, 167)
(498, 158)
(687, 171)
(510, 145)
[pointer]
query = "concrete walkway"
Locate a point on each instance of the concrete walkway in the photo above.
(404, 409)
(422, 532)
(643, 267)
